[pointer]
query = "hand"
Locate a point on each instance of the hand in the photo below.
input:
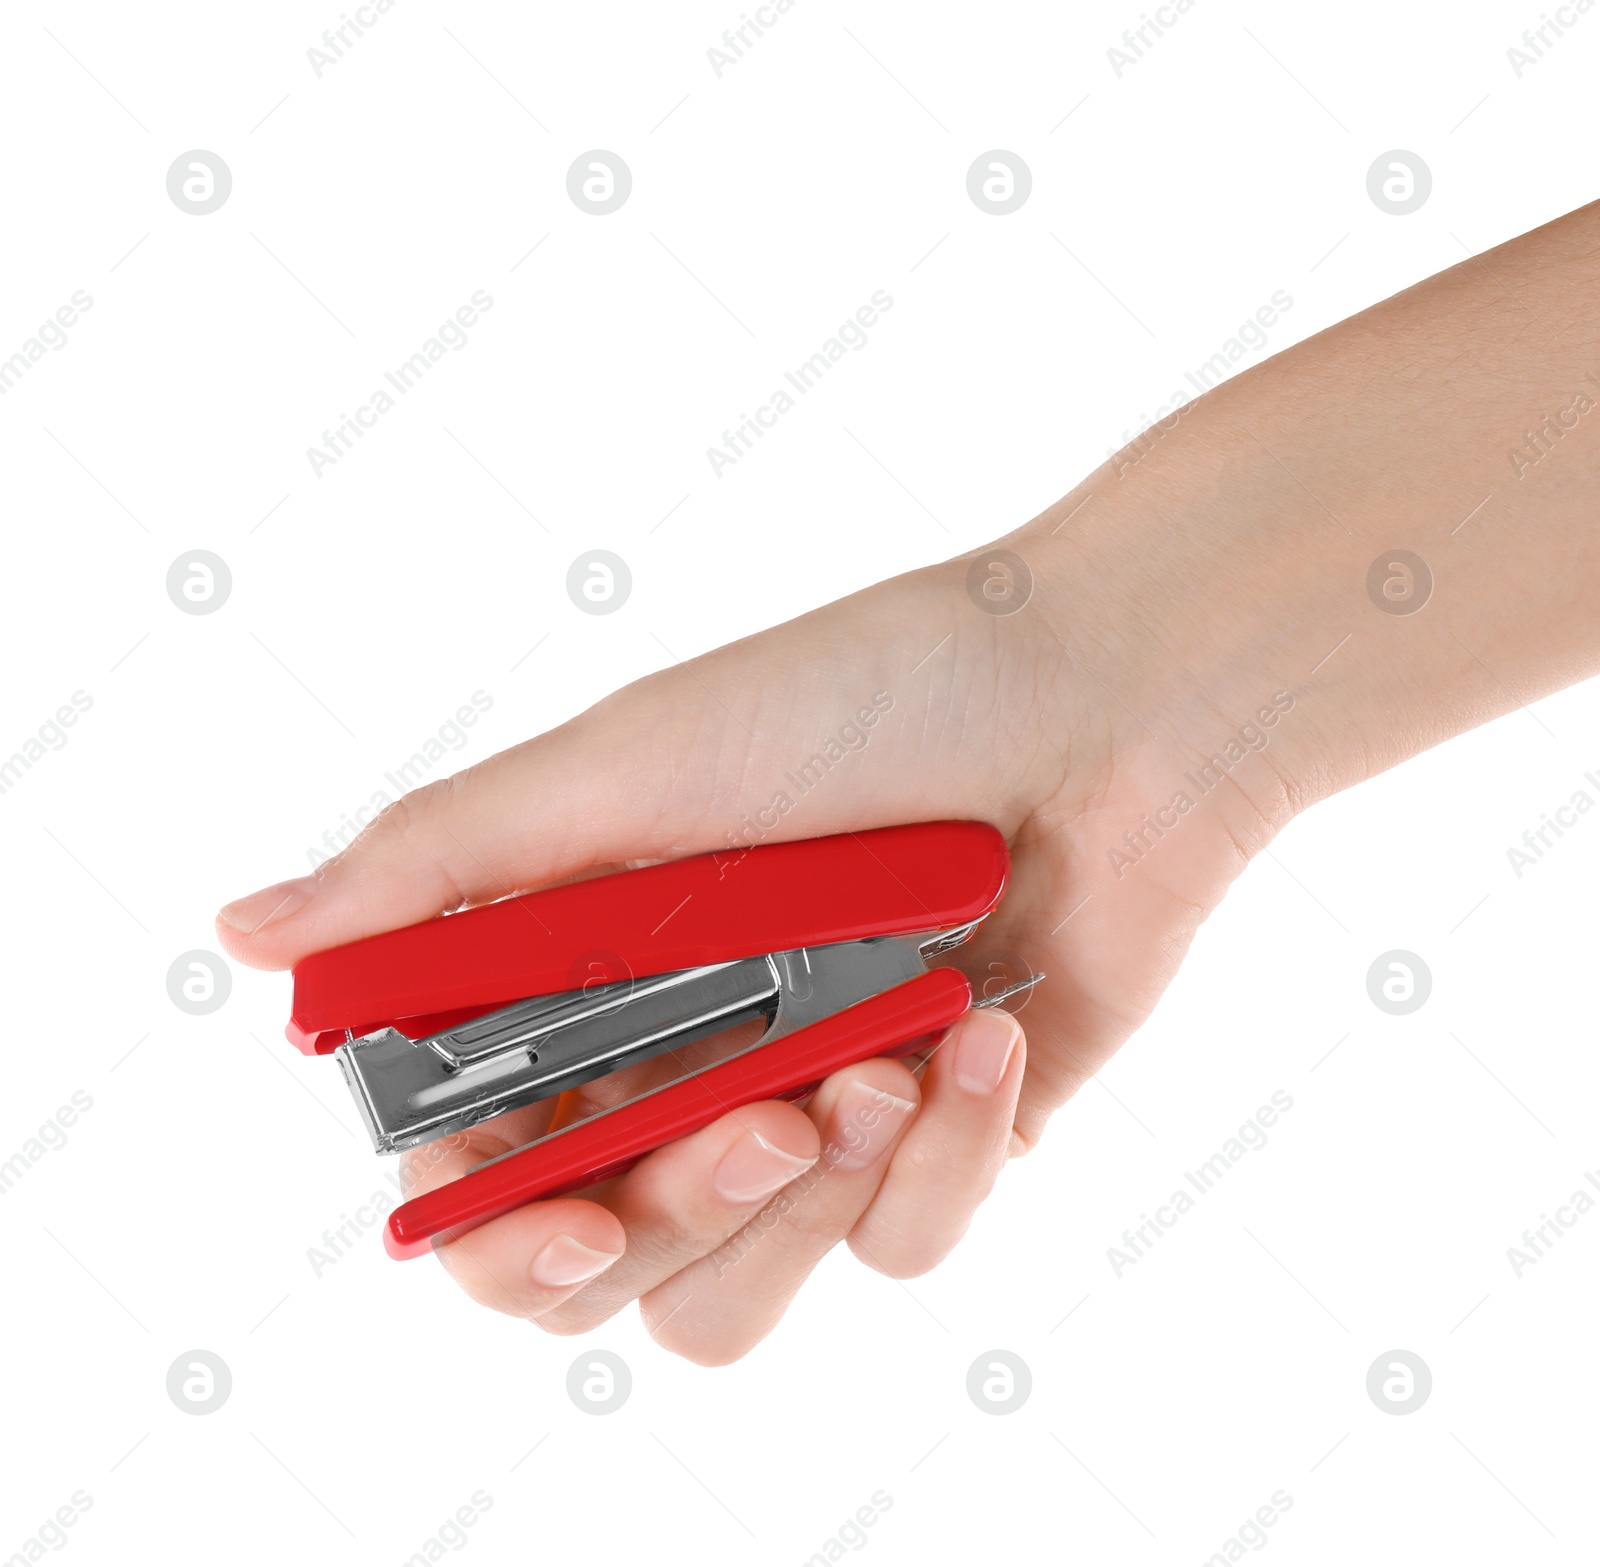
(1202, 656)
(973, 716)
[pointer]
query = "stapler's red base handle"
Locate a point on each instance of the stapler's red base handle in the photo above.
(894, 1023)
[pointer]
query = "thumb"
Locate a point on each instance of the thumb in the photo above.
(677, 763)
(594, 790)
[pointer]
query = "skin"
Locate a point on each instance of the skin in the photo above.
(1212, 574)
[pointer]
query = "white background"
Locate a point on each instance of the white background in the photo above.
(368, 604)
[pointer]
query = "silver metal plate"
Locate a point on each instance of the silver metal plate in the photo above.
(412, 1091)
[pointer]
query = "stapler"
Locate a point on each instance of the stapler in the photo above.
(444, 1024)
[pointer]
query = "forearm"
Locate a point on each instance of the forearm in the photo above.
(1230, 554)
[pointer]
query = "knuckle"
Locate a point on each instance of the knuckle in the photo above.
(672, 1237)
(923, 1156)
(580, 1314)
(722, 1348)
(489, 1292)
(414, 828)
(413, 818)
(903, 1257)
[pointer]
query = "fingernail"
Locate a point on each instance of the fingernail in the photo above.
(271, 903)
(563, 1262)
(864, 1124)
(753, 1168)
(983, 1050)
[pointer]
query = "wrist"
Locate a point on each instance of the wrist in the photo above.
(1199, 635)
(1328, 524)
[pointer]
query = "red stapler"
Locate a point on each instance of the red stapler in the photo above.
(444, 1024)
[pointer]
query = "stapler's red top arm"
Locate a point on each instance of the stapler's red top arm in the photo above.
(709, 909)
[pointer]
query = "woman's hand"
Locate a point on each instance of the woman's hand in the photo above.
(973, 714)
(1208, 646)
